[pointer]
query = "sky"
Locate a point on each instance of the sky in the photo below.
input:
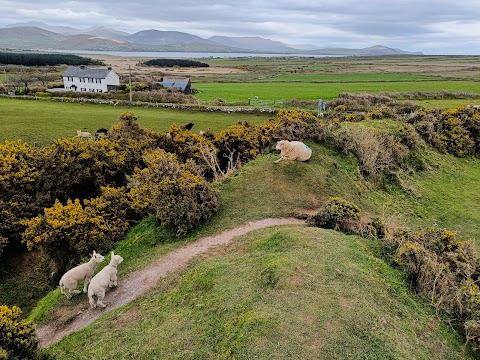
(432, 27)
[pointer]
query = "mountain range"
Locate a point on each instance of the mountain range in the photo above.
(41, 36)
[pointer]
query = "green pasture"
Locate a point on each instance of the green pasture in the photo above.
(306, 78)
(446, 103)
(327, 91)
(42, 121)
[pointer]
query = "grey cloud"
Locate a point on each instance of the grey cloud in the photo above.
(342, 23)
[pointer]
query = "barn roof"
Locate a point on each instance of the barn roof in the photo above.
(179, 83)
(75, 71)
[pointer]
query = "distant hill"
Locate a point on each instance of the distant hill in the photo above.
(29, 38)
(253, 43)
(105, 32)
(64, 30)
(38, 35)
(157, 37)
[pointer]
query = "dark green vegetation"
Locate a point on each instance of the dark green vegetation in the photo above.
(39, 59)
(175, 62)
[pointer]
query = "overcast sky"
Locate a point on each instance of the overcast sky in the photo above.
(433, 27)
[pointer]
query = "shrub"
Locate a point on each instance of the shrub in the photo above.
(298, 125)
(69, 233)
(337, 214)
(444, 269)
(43, 94)
(17, 336)
(178, 196)
(241, 143)
(454, 130)
(376, 150)
(20, 175)
(187, 145)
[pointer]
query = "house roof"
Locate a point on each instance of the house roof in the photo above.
(75, 71)
(179, 83)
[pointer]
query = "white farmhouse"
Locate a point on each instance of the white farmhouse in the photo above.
(90, 80)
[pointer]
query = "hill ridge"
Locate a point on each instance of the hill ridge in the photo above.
(140, 281)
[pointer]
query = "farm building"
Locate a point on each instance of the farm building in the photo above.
(182, 84)
(90, 80)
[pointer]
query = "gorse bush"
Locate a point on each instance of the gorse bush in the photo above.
(241, 143)
(337, 214)
(179, 197)
(298, 125)
(443, 269)
(17, 335)
(69, 233)
(455, 130)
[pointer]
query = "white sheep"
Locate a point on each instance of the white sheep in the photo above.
(83, 134)
(70, 279)
(293, 150)
(107, 277)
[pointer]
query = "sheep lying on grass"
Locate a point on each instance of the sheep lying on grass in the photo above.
(107, 277)
(293, 150)
(83, 134)
(70, 279)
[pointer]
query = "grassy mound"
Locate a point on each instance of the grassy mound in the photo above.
(286, 292)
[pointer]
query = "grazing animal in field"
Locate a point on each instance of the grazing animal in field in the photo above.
(293, 150)
(70, 279)
(83, 134)
(107, 277)
(101, 133)
(187, 127)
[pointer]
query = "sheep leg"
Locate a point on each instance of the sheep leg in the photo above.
(91, 300)
(85, 284)
(100, 297)
(282, 158)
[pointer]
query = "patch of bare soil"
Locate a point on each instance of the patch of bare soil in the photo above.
(76, 317)
(120, 65)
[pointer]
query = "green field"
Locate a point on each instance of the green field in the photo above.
(43, 121)
(374, 77)
(327, 91)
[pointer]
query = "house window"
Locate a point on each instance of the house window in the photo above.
(69, 78)
(99, 90)
(83, 89)
(91, 90)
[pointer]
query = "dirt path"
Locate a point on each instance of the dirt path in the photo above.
(139, 282)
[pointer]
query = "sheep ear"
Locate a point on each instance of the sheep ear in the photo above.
(113, 254)
(94, 253)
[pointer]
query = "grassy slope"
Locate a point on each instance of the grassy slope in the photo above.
(42, 121)
(263, 189)
(282, 293)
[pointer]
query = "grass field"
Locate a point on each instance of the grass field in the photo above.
(326, 91)
(280, 293)
(43, 121)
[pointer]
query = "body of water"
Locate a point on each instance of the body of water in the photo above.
(180, 54)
